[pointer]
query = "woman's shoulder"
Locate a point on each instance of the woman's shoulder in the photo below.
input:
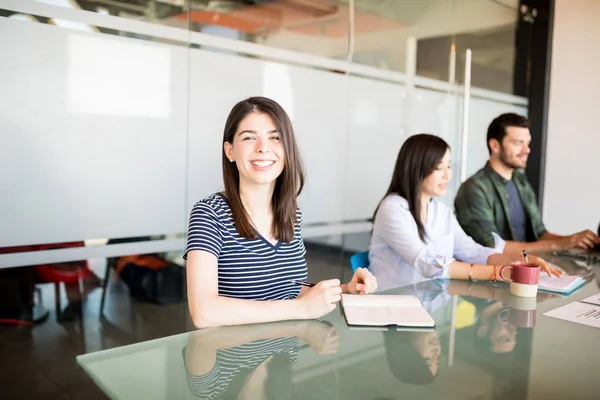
(215, 204)
(394, 201)
(393, 207)
(441, 207)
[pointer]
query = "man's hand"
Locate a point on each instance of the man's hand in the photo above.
(583, 240)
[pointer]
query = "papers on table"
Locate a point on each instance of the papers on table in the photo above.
(578, 312)
(595, 299)
(562, 284)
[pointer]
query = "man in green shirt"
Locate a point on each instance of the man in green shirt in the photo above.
(500, 199)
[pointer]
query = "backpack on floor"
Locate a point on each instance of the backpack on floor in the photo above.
(152, 278)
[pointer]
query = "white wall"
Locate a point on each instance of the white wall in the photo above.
(572, 176)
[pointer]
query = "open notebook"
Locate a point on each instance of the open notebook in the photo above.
(563, 284)
(385, 310)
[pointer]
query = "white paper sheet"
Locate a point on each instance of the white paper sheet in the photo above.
(595, 299)
(580, 313)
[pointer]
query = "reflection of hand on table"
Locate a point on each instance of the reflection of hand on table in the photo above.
(202, 345)
(321, 336)
(246, 361)
(479, 290)
(486, 291)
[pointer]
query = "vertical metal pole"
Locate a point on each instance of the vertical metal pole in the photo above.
(465, 121)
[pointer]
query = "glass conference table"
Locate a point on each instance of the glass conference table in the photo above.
(487, 345)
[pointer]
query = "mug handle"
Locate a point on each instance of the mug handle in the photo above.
(501, 313)
(502, 276)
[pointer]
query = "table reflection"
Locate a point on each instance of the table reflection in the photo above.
(481, 348)
(252, 361)
(413, 357)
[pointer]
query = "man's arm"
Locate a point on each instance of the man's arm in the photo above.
(475, 215)
(547, 241)
(545, 244)
(553, 242)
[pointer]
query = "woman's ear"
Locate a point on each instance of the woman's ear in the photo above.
(228, 148)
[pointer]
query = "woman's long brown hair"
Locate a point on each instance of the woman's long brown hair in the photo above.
(289, 183)
(417, 159)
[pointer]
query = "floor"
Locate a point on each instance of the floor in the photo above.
(39, 362)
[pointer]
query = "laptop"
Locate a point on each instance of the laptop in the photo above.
(592, 255)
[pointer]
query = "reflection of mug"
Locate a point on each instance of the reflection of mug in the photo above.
(518, 318)
(524, 278)
(522, 303)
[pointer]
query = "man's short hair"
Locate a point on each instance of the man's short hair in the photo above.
(497, 129)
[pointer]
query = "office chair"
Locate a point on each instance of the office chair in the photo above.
(359, 260)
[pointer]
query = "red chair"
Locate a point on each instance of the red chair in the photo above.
(68, 273)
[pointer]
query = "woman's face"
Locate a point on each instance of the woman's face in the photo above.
(257, 150)
(503, 338)
(502, 335)
(436, 183)
(428, 345)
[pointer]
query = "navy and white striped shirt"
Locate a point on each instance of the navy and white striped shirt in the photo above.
(236, 362)
(252, 269)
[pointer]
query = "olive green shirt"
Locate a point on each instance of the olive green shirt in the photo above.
(482, 207)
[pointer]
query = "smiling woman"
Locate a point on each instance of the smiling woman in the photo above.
(246, 243)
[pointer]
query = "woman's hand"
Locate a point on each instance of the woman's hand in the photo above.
(362, 282)
(544, 266)
(321, 299)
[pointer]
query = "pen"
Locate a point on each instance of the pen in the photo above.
(525, 256)
(303, 283)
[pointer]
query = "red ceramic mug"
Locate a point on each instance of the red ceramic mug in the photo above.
(524, 278)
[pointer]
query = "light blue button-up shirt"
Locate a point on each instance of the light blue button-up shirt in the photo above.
(398, 257)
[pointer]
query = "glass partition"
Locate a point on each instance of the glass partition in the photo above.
(130, 98)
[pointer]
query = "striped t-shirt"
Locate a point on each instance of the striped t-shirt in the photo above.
(251, 269)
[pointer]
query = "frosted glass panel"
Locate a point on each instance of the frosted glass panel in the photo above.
(437, 113)
(481, 115)
(139, 87)
(107, 136)
(80, 158)
(375, 134)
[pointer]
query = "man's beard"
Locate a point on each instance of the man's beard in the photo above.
(509, 163)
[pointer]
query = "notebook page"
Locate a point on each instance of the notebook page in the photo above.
(371, 300)
(382, 316)
(558, 283)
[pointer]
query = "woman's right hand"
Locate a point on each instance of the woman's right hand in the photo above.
(321, 299)
(545, 266)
